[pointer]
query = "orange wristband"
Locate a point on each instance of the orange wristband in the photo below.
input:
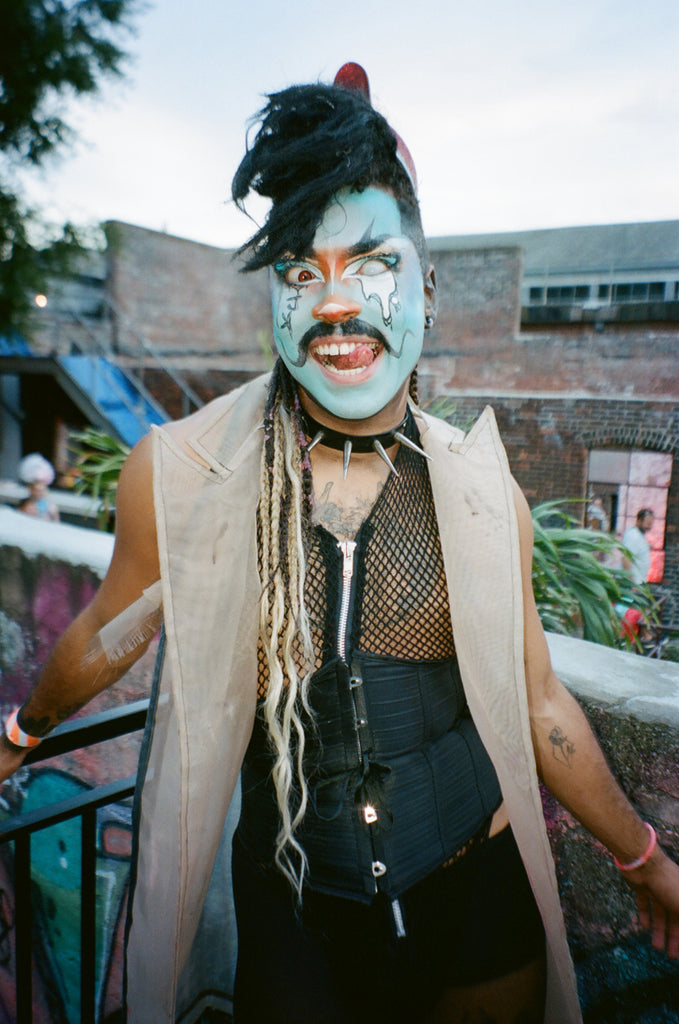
(16, 735)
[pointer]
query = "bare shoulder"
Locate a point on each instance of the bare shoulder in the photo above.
(137, 471)
(523, 514)
(134, 565)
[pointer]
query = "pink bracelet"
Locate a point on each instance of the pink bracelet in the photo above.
(645, 857)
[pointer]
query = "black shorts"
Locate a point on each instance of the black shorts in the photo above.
(338, 961)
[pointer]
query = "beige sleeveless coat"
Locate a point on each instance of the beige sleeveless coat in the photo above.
(206, 696)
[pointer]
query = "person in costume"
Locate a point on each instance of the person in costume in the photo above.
(350, 630)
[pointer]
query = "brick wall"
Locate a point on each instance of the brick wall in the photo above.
(631, 361)
(478, 293)
(191, 302)
(183, 297)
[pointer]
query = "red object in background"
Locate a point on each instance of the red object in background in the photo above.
(631, 621)
(657, 569)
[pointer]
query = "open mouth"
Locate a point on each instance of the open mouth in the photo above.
(347, 357)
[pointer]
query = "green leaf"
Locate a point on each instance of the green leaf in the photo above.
(575, 589)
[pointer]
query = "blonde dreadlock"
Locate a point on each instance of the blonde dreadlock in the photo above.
(284, 515)
(284, 520)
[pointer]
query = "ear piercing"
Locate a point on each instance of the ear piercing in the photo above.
(429, 322)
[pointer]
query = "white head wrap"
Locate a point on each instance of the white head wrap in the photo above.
(34, 469)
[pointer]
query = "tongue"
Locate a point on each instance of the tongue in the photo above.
(362, 356)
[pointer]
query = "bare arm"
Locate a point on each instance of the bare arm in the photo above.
(572, 766)
(69, 679)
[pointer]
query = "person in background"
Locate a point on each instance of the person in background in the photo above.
(596, 516)
(635, 541)
(37, 473)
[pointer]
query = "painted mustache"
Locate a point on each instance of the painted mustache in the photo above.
(346, 329)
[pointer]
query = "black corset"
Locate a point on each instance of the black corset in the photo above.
(400, 743)
(419, 766)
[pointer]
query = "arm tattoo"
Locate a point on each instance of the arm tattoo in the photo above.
(562, 748)
(41, 726)
(35, 726)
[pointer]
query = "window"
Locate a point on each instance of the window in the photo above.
(627, 481)
(640, 291)
(567, 294)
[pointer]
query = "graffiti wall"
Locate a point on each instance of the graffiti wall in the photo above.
(39, 596)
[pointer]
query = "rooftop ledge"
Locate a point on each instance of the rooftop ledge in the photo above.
(624, 684)
(76, 545)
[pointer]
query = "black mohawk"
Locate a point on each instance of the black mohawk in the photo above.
(314, 140)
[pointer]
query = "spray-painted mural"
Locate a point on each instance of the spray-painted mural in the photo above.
(39, 597)
(55, 880)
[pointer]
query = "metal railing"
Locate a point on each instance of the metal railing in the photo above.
(84, 732)
(190, 399)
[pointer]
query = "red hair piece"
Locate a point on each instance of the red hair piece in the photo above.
(354, 77)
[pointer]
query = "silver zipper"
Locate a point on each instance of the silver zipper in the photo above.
(397, 911)
(347, 547)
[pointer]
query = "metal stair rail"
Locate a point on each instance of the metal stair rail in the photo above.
(128, 390)
(189, 396)
(20, 828)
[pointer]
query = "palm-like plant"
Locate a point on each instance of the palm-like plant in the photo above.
(100, 459)
(576, 581)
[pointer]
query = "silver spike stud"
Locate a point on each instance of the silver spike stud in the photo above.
(317, 440)
(379, 448)
(402, 439)
(347, 456)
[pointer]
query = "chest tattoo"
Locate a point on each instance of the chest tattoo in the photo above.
(343, 517)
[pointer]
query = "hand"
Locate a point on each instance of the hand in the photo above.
(657, 890)
(10, 758)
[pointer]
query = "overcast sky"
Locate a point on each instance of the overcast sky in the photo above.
(523, 114)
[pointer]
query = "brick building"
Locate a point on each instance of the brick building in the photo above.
(585, 385)
(571, 334)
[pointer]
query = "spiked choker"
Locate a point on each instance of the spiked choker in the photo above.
(349, 443)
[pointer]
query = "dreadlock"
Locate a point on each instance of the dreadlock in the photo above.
(313, 141)
(283, 517)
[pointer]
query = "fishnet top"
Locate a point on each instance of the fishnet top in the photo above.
(400, 605)
(410, 753)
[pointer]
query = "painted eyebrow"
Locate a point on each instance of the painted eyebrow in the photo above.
(367, 245)
(361, 248)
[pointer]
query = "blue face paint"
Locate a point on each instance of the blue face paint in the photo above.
(349, 316)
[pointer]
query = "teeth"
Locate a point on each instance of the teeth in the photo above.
(341, 348)
(325, 352)
(333, 349)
